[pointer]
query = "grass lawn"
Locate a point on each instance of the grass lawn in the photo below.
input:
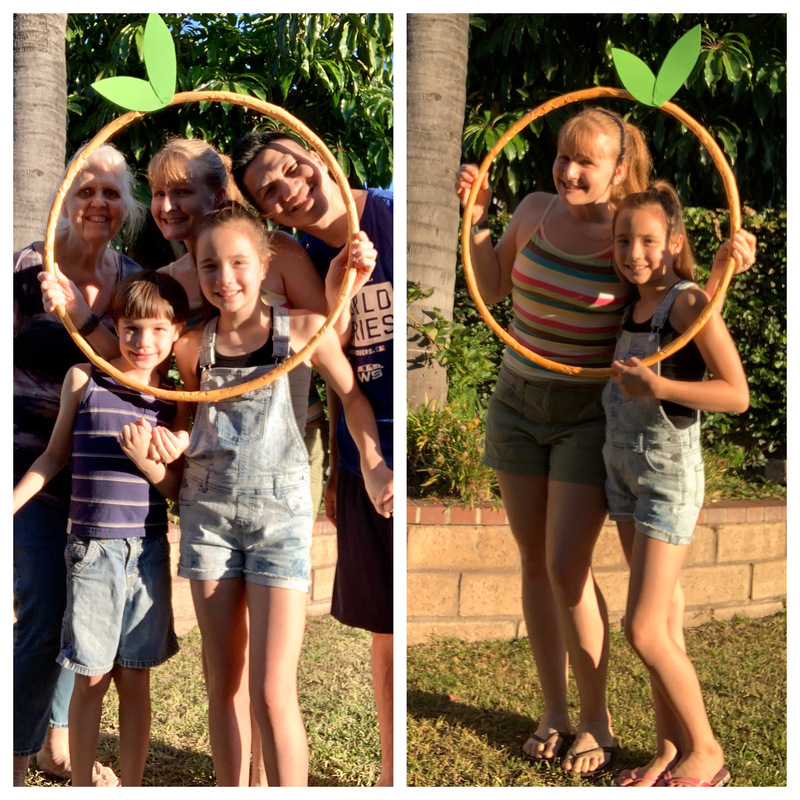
(335, 698)
(471, 707)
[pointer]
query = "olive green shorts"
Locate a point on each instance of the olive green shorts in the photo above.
(554, 429)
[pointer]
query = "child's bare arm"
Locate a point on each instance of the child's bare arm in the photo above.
(726, 390)
(58, 449)
(334, 367)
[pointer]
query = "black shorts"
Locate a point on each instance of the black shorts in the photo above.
(362, 588)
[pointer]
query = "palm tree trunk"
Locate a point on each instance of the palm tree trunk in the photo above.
(436, 89)
(40, 119)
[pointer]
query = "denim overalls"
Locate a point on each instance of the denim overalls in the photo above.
(654, 470)
(245, 502)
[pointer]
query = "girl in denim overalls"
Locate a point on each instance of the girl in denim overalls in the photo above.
(245, 504)
(655, 467)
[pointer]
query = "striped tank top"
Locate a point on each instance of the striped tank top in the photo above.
(566, 308)
(111, 499)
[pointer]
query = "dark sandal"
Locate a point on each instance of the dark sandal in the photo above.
(544, 741)
(610, 752)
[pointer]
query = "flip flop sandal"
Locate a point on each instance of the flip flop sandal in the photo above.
(631, 778)
(544, 741)
(720, 779)
(610, 752)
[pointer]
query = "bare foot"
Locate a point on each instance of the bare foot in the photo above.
(649, 774)
(587, 754)
(385, 780)
(544, 744)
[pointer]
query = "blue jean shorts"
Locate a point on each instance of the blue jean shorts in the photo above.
(261, 532)
(119, 604)
(658, 484)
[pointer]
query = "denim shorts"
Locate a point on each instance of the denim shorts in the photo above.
(261, 533)
(119, 604)
(552, 429)
(657, 484)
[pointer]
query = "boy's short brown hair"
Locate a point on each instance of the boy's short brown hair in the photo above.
(149, 295)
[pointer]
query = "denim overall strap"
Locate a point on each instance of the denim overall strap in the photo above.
(659, 318)
(207, 356)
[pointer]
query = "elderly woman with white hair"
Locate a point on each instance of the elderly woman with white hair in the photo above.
(97, 206)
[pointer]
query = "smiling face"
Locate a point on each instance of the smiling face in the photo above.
(177, 205)
(94, 205)
(289, 185)
(584, 174)
(229, 268)
(145, 343)
(641, 250)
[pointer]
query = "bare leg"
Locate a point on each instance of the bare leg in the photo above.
(575, 515)
(525, 501)
(258, 771)
(382, 661)
(85, 710)
(220, 606)
(277, 623)
(133, 688)
(655, 569)
(668, 729)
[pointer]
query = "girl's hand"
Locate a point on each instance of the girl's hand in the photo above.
(634, 378)
(59, 291)
(166, 445)
(742, 247)
(379, 483)
(135, 439)
(365, 257)
(465, 177)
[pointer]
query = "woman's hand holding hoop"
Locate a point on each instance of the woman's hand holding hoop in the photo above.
(465, 177)
(58, 291)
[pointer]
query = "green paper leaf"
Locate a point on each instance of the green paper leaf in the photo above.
(635, 75)
(130, 93)
(678, 65)
(159, 58)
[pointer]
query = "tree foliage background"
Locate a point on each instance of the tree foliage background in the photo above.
(737, 90)
(334, 72)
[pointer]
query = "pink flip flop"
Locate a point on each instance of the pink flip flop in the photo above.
(720, 779)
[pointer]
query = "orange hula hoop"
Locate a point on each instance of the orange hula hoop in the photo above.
(348, 281)
(731, 192)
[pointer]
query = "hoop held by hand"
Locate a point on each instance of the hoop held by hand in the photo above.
(294, 124)
(731, 193)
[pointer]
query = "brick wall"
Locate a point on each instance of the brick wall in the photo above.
(323, 565)
(463, 569)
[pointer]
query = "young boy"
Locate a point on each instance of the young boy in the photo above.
(118, 621)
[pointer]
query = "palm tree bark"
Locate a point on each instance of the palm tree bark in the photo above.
(40, 119)
(436, 90)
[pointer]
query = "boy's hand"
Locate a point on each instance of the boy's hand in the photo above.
(365, 257)
(166, 445)
(134, 439)
(634, 378)
(379, 483)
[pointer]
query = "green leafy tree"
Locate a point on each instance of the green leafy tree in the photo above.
(737, 90)
(334, 72)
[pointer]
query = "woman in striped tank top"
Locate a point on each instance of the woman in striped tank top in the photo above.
(545, 430)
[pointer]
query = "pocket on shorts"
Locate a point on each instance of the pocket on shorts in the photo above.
(190, 488)
(80, 552)
(296, 496)
(668, 461)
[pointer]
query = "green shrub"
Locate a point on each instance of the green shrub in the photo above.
(445, 447)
